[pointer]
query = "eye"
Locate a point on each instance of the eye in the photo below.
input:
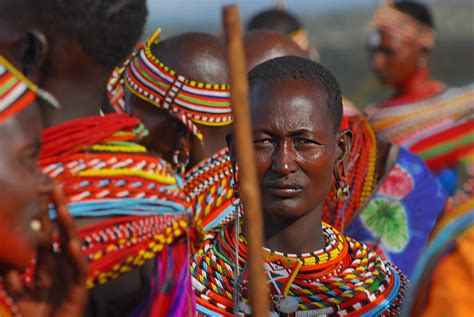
(305, 141)
(262, 141)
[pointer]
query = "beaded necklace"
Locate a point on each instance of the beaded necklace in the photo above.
(343, 278)
(361, 176)
(209, 187)
(103, 172)
(7, 305)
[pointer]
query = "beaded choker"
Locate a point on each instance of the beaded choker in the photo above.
(387, 17)
(187, 100)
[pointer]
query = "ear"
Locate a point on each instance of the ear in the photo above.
(33, 50)
(344, 143)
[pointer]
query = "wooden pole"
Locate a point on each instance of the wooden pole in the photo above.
(248, 181)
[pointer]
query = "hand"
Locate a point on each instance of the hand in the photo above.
(58, 288)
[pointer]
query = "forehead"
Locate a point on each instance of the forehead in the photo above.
(292, 103)
(385, 38)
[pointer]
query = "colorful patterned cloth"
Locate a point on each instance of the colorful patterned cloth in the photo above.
(209, 187)
(439, 129)
(344, 278)
(104, 173)
(398, 218)
(443, 282)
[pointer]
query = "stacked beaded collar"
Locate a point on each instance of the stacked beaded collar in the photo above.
(187, 100)
(387, 17)
(344, 278)
(104, 172)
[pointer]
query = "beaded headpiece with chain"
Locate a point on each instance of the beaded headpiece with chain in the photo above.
(388, 18)
(187, 100)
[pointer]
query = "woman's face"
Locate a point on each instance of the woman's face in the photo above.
(393, 58)
(295, 146)
(24, 189)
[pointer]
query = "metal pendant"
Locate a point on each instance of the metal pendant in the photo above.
(245, 308)
(287, 304)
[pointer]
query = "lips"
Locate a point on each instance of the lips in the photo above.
(283, 188)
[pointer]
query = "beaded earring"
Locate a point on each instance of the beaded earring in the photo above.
(179, 164)
(342, 186)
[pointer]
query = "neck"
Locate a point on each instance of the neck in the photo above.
(76, 80)
(78, 98)
(298, 236)
(415, 82)
(214, 140)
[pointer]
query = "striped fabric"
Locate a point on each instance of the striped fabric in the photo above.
(16, 92)
(438, 129)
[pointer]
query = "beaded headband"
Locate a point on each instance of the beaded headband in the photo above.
(187, 100)
(387, 17)
(17, 92)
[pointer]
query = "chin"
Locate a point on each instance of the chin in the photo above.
(285, 209)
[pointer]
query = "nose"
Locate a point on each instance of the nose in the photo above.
(284, 159)
(378, 60)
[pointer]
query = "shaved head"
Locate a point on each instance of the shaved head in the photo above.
(263, 45)
(196, 56)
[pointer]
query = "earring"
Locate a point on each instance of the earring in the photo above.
(342, 186)
(421, 63)
(180, 165)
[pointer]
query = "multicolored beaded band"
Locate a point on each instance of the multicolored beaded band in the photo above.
(17, 92)
(387, 17)
(187, 100)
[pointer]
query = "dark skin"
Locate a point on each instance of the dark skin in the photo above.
(394, 59)
(58, 287)
(263, 45)
(196, 56)
(297, 150)
(75, 79)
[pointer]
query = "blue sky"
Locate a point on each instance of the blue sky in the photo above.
(207, 13)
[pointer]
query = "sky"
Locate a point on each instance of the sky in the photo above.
(207, 13)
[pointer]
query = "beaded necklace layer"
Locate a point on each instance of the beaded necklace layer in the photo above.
(209, 187)
(7, 305)
(103, 172)
(344, 278)
(361, 175)
(437, 129)
(187, 100)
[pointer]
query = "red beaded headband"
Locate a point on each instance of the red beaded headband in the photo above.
(189, 101)
(387, 17)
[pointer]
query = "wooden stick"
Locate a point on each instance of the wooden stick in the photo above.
(248, 182)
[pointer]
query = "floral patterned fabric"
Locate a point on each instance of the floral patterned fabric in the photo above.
(399, 217)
